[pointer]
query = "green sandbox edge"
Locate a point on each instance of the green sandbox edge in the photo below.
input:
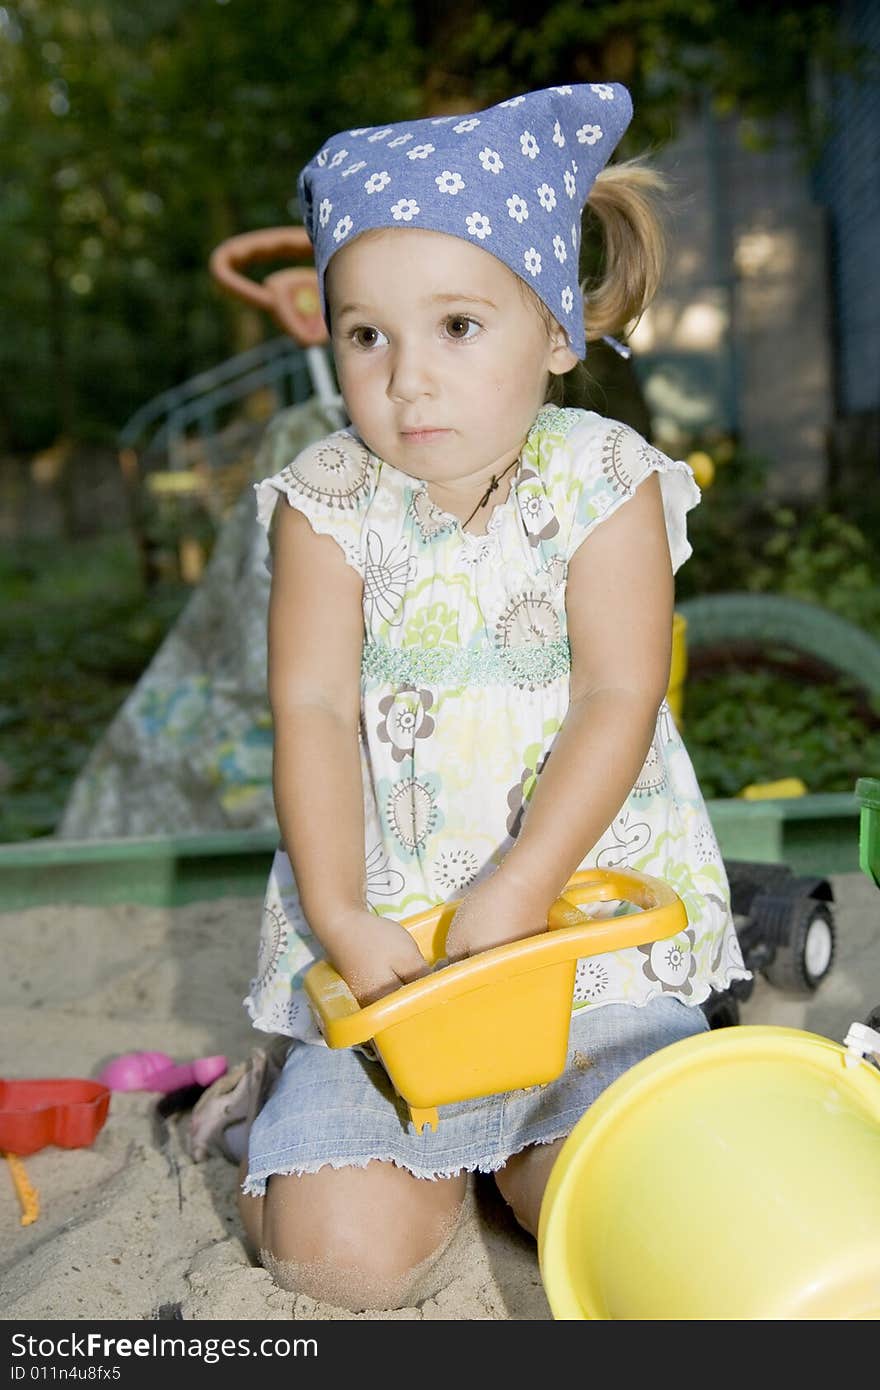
(814, 834)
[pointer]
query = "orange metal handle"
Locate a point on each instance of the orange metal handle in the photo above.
(289, 295)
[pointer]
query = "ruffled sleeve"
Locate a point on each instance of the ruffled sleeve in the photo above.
(331, 482)
(597, 467)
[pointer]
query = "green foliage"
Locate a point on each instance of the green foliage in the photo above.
(757, 725)
(824, 558)
(743, 56)
(136, 137)
(745, 540)
(753, 726)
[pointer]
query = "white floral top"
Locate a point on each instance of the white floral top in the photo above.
(464, 687)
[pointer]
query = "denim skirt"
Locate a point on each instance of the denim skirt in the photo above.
(338, 1106)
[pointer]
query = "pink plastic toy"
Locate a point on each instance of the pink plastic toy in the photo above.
(156, 1071)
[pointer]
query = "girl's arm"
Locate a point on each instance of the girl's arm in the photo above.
(315, 637)
(619, 601)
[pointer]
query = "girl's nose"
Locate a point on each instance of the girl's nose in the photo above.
(410, 376)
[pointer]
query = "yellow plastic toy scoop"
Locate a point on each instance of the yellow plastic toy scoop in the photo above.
(497, 1021)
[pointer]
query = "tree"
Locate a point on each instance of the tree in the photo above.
(137, 136)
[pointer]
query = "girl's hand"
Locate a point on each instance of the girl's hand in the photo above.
(374, 955)
(492, 914)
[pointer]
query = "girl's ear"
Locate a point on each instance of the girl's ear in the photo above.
(562, 355)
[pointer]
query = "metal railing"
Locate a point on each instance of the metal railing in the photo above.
(193, 431)
(197, 407)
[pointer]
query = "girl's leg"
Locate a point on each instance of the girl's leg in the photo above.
(602, 1046)
(522, 1180)
(354, 1237)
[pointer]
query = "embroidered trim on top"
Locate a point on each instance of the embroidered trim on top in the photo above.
(523, 665)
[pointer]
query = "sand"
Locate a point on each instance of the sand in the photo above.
(126, 1229)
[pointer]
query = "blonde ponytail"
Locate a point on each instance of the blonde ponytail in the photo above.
(627, 199)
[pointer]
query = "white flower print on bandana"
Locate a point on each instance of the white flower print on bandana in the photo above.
(376, 182)
(529, 145)
(449, 182)
(518, 208)
(405, 210)
(478, 225)
(491, 161)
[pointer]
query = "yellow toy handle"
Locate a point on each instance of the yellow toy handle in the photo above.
(28, 1196)
(570, 936)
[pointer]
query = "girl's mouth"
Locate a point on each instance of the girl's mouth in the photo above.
(424, 436)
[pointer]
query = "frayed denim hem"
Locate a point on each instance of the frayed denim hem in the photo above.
(254, 1186)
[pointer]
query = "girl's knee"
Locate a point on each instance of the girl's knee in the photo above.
(357, 1238)
(359, 1282)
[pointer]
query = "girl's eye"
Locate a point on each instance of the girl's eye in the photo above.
(366, 337)
(461, 327)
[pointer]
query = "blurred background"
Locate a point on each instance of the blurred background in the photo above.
(138, 401)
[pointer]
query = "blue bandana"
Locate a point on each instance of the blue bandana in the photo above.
(512, 179)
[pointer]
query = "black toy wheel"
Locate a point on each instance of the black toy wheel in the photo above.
(804, 955)
(722, 1009)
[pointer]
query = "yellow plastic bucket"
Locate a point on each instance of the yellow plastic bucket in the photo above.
(677, 668)
(734, 1175)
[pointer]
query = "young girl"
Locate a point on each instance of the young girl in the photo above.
(469, 639)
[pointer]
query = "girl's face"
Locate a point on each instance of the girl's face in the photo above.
(442, 358)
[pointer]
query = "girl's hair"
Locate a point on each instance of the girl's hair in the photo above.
(627, 200)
